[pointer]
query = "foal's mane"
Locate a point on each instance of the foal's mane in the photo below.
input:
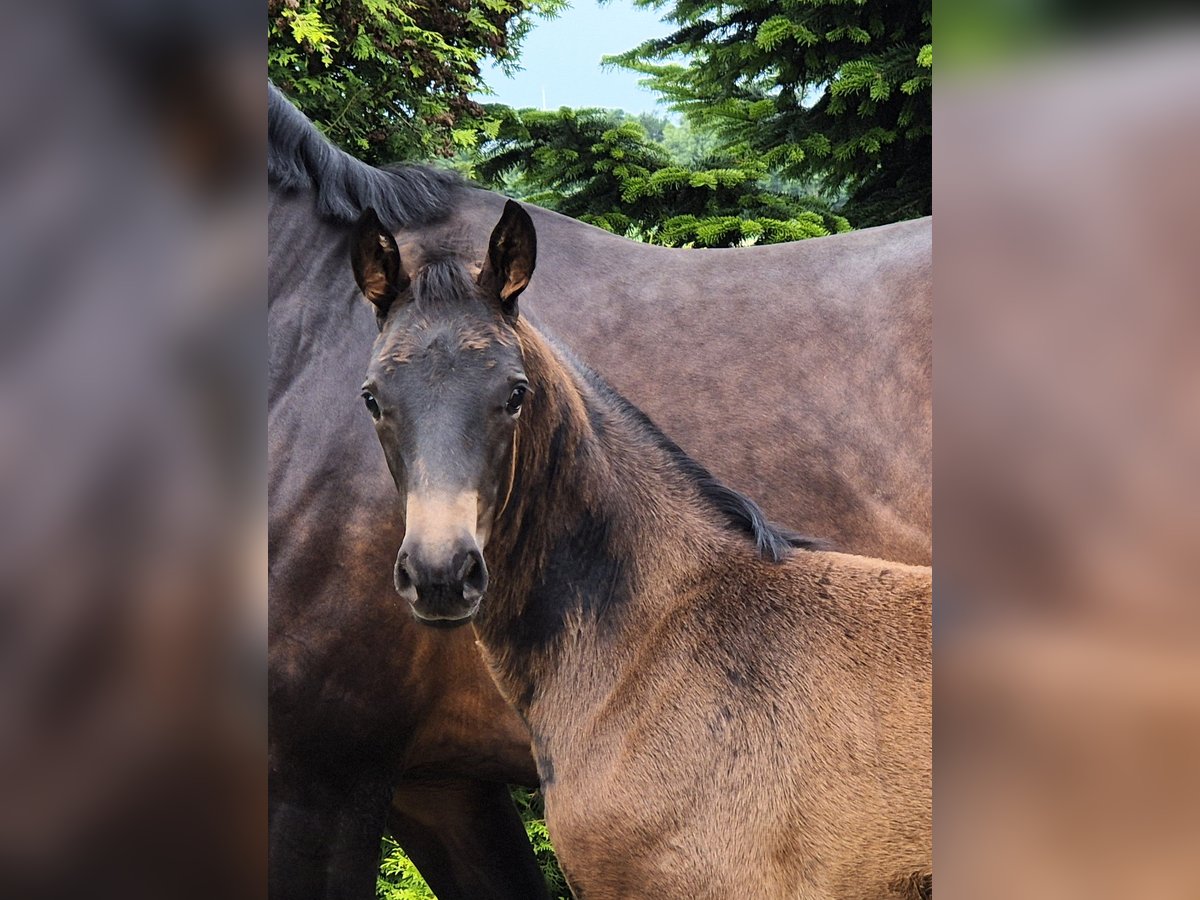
(299, 156)
(740, 513)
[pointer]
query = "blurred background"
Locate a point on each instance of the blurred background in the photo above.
(132, 495)
(132, 451)
(1067, 491)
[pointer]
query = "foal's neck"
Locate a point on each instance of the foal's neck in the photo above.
(600, 524)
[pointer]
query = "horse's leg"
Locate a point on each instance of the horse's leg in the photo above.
(324, 838)
(467, 840)
(354, 858)
(298, 833)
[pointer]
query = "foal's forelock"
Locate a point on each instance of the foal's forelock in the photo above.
(444, 278)
(445, 299)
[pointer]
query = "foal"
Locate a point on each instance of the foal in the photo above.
(712, 714)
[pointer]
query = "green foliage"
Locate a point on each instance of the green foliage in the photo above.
(392, 79)
(837, 90)
(398, 877)
(533, 814)
(602, 168)
(400, 880)
(687, 145)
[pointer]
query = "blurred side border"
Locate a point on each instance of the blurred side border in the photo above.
(132, 486)
(1067, 502)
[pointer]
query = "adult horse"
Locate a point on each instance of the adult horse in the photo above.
(711, 713)
(813, 392)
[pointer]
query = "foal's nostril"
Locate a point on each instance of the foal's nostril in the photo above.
(473, 574)
(404, 576)
(437, 586)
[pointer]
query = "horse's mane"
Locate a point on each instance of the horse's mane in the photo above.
(299, 156)
(740, 513)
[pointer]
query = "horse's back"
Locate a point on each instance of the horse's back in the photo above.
(800, 374)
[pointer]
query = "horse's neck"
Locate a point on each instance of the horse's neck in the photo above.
(316, 315)
(601, 524)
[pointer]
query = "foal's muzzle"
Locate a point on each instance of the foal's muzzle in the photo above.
(442, 585)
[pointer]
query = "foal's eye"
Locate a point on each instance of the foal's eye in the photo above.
(515, 399)
(372, 406)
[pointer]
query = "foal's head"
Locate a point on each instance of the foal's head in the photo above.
(445, 387)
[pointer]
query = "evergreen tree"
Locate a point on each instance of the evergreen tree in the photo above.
(600, 167)
(392, 79)
(686, 144)
(834, 89)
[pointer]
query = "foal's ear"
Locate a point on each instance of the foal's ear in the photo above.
(512, 252)
(376, 261)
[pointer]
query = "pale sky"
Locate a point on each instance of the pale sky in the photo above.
(562, 58)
